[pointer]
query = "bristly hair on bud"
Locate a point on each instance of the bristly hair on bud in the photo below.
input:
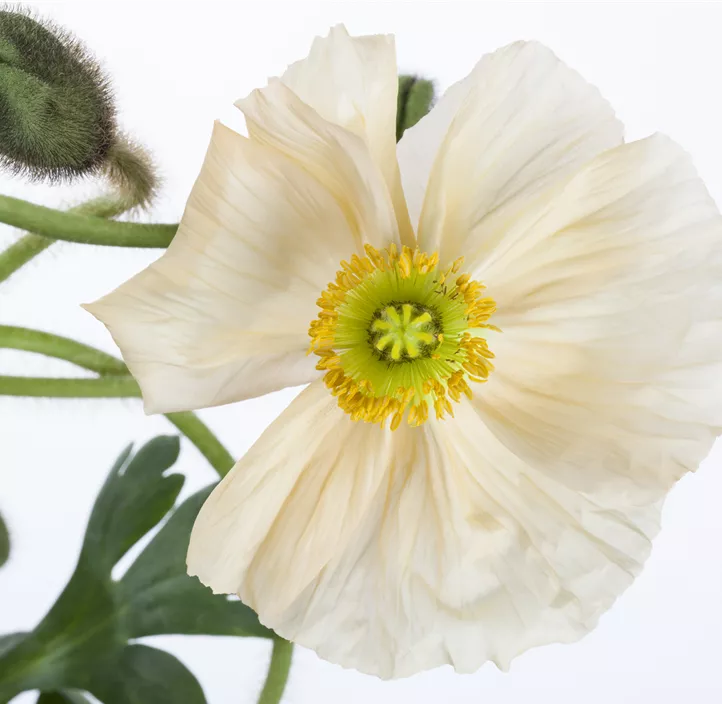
(130, 168)
(57, 115)
(415, 99)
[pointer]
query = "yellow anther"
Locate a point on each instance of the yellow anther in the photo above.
(375, 257)
(413, 414)
(396, 422)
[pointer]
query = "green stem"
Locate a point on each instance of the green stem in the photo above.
(130, 173)
(50, 387)
(20, 253)
(17, 338)
(85, 223)
(116, 383)
(278, 670)
(79, 226)
(207, 443)
(30, 245)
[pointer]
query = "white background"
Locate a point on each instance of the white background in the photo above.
(178, 66)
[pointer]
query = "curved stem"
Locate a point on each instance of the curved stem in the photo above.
(20, 253)
(207, 443)
(130, 172)
(278, 670)
(30, 245)
(80, 226)
(117, 383)
(17, 338)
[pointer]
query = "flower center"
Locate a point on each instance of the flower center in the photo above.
(397, 336)
(402, 332)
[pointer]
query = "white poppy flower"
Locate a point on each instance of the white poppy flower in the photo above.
(518, 358)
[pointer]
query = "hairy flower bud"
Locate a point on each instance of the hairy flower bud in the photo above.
(57, 118)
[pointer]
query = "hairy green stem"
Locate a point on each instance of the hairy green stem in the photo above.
(17, 338)
(278, 670)
(20, 253)
(80, 225)
(84, 223)
(129, 171)
(116, 382)
(207, 443)
(30, 245)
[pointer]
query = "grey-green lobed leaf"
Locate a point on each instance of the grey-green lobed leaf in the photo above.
(161, 598)
(144, 674)
(138, 674)
(134, 499)
(82, 644)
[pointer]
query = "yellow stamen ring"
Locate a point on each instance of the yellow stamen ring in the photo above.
(397, 336)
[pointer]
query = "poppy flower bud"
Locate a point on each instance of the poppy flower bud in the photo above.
(57, 118)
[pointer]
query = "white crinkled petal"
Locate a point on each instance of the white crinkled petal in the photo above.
(498, 143)
(339, 159)
(608, 371)
(291, 504)
(223, 315)
(396, 553)
(352, 82)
